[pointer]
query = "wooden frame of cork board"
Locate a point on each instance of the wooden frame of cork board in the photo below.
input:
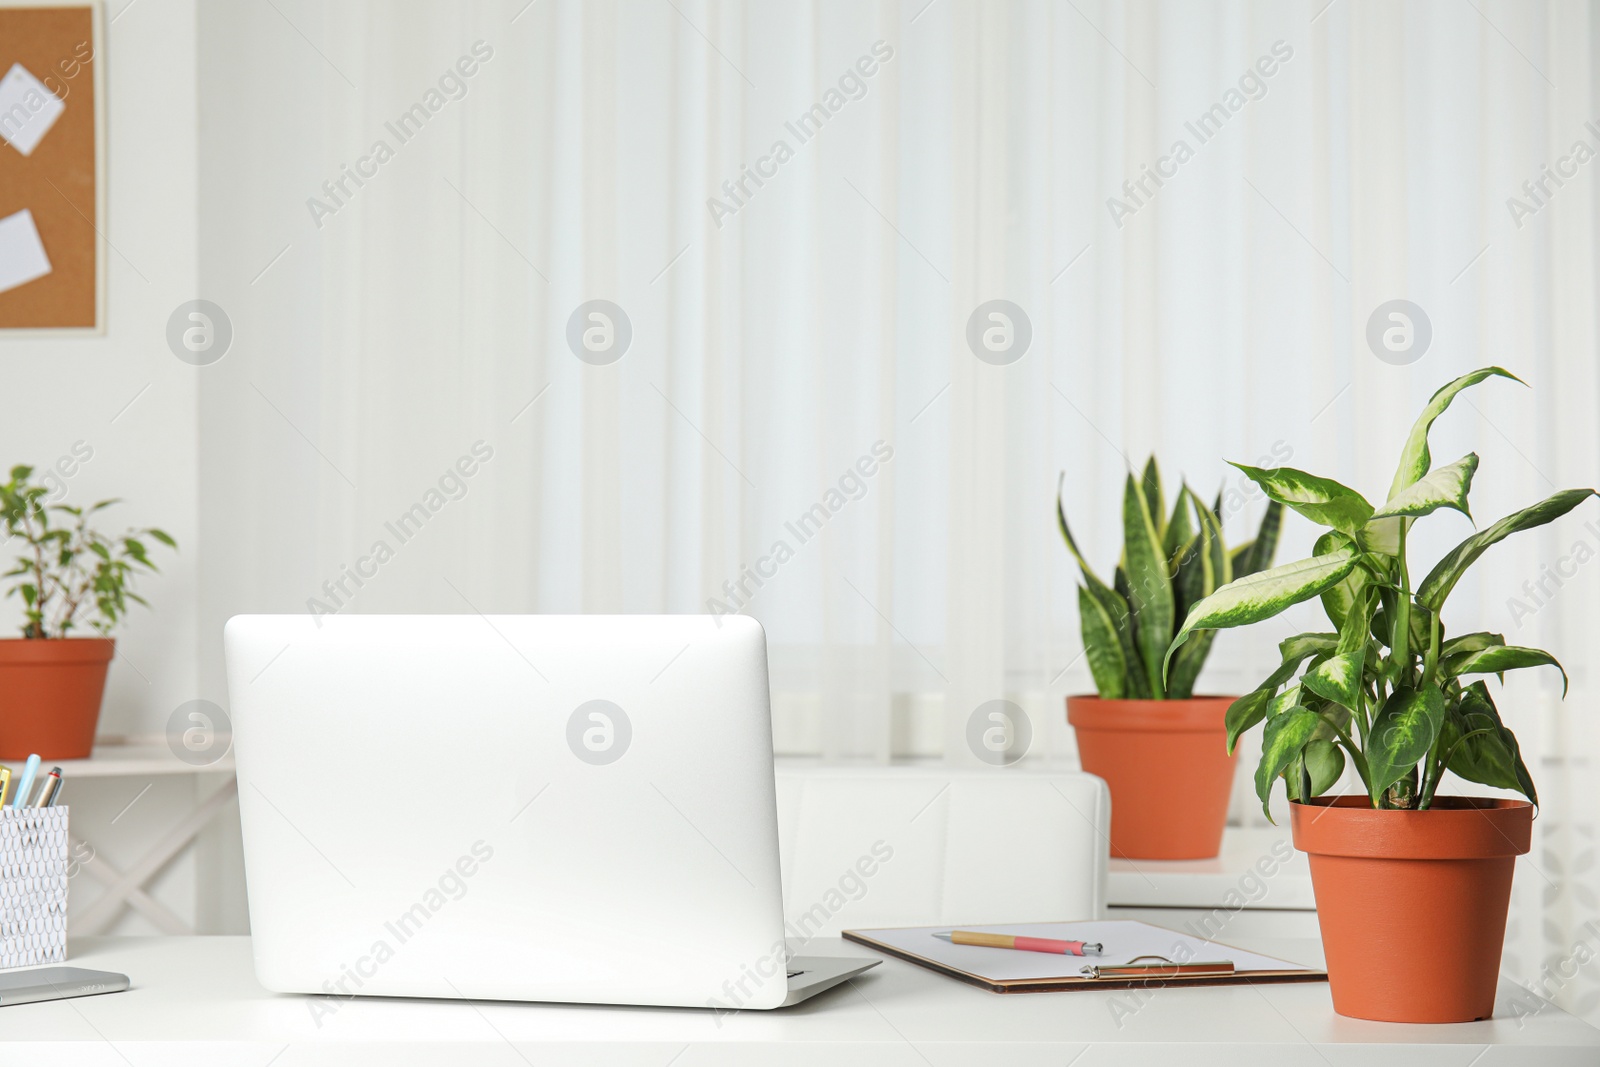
(53, 197)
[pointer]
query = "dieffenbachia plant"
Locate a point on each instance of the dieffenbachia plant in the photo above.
(1386, 688)
(1169, 563)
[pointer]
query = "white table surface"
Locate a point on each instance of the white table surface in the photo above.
(1234, 876)
(195, 1001)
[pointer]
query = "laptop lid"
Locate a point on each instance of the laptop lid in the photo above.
(563, 808)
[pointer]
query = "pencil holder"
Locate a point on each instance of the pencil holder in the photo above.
(33, 886)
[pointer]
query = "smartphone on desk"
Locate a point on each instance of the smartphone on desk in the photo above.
(57, 983)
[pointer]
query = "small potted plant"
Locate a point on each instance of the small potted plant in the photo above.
(1412, 887)
(1157, 745)
(52, 682)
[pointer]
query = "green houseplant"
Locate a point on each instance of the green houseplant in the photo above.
(66, 574)
(1154, 742)
(1389, 692)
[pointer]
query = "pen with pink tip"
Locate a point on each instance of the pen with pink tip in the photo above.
(1024, 944)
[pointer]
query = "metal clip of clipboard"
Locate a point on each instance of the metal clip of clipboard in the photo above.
(1165, 968)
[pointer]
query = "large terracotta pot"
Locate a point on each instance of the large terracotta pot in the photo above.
(1168, 768)
(1413, 904)
(50, 692)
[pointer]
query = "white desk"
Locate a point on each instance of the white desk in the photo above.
(195, 1001)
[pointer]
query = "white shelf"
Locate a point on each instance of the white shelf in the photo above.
(127, 757)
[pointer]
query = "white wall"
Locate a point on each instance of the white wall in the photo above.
(129, 400)
(60, 392)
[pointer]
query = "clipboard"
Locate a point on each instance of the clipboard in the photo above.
(1138, 955)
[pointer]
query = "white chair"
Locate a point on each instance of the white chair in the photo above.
(892, 846)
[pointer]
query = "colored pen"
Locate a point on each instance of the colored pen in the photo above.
(5, 784)
(25, 784)
(48, 790)
(1025, 944)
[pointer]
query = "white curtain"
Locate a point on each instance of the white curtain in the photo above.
(799, 337)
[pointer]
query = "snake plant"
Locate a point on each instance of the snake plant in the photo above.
(1386, 687)
(1170, 562)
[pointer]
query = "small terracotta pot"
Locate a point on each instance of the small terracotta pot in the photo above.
(50, 693)
(1412, 904)
(1167, 765)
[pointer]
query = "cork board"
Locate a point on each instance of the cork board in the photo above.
(52, 182)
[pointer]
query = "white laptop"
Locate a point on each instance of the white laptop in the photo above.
(514, 807)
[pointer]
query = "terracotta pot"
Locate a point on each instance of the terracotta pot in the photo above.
(1413, 904)
(1167, 764)
(50, 692)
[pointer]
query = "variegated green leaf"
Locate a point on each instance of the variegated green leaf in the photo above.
(1337, 679)
(1102, 647)
(1300, 646)
(1446, 487)
(1353, 632)
(1437, 585)
(1245, 713)
(1336, 600)
(1149, 588)
(1381, 536)
(1265, 594)
(1414, 457)
(1281, 742)
(1284, 701)
(1322, 500)
(1402, 733)
(1500, 658)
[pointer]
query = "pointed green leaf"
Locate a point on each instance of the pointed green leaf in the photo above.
(1500, 658)
(1446, 487)
(1324, 761)
(1179, 531)
(1414, 457)
(1149, 588)
(1442, 579)
(1154, 499)
(1470, 643)
(1322, 500)
(1255, 556)
(1115, 607)
(1239, 557)
(1072, 543)
(1189, 581)
(1102, 647)
(1216, 571)
(1337, 679)
(1491, 758)
(1285, 735)
(1401, 735)
(1265, 594)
